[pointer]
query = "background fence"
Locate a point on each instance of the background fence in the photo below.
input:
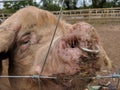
(89, 15)
(4, 16)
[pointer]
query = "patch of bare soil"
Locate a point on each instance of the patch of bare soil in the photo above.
(110, 37)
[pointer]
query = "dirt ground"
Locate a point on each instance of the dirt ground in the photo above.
(110, 37)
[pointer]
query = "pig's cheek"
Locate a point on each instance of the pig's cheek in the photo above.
(23, 48)
(38, 62)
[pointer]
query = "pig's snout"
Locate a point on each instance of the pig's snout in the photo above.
(73, 46)
(67, 53)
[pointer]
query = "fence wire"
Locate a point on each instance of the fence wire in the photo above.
(37, 77)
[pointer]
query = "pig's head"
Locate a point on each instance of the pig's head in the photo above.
(1, 21)
(75, 52)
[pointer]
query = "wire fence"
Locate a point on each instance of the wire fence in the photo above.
(38, 77)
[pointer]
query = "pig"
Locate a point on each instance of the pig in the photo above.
(75, 54)
(1, 21)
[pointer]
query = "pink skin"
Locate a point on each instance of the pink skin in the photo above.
(63, 59)
(64, 55)
(25, 36)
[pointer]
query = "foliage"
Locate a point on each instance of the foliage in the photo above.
(50, 5)
(98, 3)
(69, 4)
(14, 6)
(115, 3)
(54, 5)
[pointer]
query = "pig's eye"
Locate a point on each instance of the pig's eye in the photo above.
(25, 39)
(26, 42)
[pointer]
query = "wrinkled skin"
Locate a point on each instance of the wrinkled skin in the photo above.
(24, 40)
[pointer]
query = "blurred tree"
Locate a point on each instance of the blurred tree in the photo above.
(84, 3)
(51, 5)
(105, 3)
(116, 3)
(12, 6)
(98, 3)
(74, 4)
(70, 4)
(54, 5)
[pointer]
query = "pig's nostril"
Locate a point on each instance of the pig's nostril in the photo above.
(74, 44)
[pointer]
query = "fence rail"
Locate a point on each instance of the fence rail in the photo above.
(4, 16)
(100, 14)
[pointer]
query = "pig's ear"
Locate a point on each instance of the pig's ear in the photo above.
(7, 37)
(0, 67)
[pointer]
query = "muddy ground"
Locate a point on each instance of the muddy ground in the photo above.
(110, 37)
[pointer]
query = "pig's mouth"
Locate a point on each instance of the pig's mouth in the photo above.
(81, 56)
